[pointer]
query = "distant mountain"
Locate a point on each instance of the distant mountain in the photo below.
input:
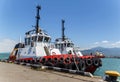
(105, 51)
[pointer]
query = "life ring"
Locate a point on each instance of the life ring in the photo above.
(96, 62)
(88, 62)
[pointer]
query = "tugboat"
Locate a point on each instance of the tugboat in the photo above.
(65, 45)
(88, 63)
(38, 49)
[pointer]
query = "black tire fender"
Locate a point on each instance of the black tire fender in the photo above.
(81, 65)
(96, 62)
(88, 62)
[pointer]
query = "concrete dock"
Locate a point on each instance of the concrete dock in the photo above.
(16, 73)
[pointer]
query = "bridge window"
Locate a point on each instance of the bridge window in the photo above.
(68, 45)
(72, 44)
(25, 41)
(57, 46)
(46, 39)
(28, 41)
(40, 38)
(34, 38)
(64, 44)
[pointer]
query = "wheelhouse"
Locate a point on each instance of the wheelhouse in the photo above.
(39, 37)
(63, 44)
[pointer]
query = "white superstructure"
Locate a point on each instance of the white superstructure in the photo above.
(36, 44)
(65, 45)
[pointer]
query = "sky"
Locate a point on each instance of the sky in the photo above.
(88, 23)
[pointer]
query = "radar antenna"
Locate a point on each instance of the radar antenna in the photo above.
(63, 29)
(37, 19)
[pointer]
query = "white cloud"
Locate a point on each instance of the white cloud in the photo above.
(116, 44)
(6, 45)
(105, 41)
(101, 42)
(96, 43)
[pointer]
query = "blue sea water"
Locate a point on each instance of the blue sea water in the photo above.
(107, 64)
(4, 55)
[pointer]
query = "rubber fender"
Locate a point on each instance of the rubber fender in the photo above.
(48, 64)
(72, 66)
(72, 59)
(96, 62)
(67, 60)
(32, 61)
(55, 60)
(28, 61)
(25, 61)
(89, 62)
(61, 65)
(61, 59)
(67, 66)
(49, 60)
(43, 60)
(77, 59)
(81, 65)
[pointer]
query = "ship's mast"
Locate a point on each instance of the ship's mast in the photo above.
(63, 29)
(37, 19)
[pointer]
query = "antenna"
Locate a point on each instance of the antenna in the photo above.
(37, 19)
(63, 29)
(20, 39)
